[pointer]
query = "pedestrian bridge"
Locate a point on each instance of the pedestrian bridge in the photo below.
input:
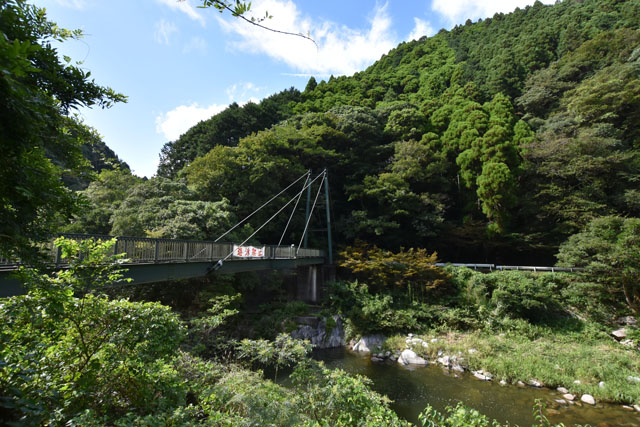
(158, 260)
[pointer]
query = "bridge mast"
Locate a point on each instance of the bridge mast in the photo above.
(328, 213)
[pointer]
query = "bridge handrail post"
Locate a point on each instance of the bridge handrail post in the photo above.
(156, 251)
(58, 255)
(186, 251)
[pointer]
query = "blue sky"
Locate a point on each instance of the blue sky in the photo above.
(180, 64)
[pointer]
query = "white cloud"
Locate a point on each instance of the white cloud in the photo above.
(185, 7)
(242, 91)
(458, 11)
(341, 50)
(422, 28)
(196, 44)
(163, 31)
(182, 118)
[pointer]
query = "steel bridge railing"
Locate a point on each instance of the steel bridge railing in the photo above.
(142, 250)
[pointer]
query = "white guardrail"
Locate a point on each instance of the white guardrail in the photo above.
(492, 267)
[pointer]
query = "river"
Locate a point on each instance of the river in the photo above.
(411, 389)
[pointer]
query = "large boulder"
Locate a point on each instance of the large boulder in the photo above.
(620, 334)
(369, 343)
(409, 357)
(319, 334)
(588, 399)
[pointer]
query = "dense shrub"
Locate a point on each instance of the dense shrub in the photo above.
(411, 271)
(513, 294)
(335, 398)
(609, 250)
(376, 313)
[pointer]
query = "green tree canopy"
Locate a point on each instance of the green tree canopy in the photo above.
(38, 91)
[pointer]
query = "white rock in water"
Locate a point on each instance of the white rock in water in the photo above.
(568, 396)
(376, 359)
(562, 390)
(627, 407)
(367, 343)
(482, 375)
(503, 382)
(587, 398)
(636, 407)
(620, 334)
(535, 383)
(457, 368)
(410, 335)
(444, 360)
(409, 357)
(561, 401)
(520, 384)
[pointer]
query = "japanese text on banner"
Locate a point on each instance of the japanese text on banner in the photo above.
(248, 252)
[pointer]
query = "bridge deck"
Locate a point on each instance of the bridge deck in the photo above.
(157, 260)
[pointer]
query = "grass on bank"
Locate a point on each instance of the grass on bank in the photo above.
(554, 360)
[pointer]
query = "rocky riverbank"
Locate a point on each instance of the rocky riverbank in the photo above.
(415, 348)
(547, 362)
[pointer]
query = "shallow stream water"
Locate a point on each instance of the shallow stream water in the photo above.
(412, 389)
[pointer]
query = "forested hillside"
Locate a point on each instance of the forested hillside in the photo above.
(493, 141)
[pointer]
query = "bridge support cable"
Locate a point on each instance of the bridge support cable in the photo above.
(304, 233)
(294, 209)
(306, 174)
(219, 263)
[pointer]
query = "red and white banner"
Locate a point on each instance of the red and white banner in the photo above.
(248, 252)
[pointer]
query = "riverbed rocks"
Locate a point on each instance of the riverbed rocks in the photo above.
(482, 375)
(409, 357)
(627, 321)
(413, 341)
(369, 343)
(620, 334)
(417, 351)
(588, 399)
(316, 331)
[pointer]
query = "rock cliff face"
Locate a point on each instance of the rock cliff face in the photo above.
(319, 334)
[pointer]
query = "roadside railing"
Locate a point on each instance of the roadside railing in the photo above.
(492, 267)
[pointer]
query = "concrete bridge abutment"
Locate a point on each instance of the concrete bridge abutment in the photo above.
(311, 281)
